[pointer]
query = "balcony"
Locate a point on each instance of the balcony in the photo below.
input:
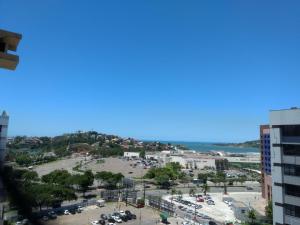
(8, 61)
(292, 220)
(292, 200)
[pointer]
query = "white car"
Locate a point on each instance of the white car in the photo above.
(96, 222)
(122, 213)
(190, 211)
(117, 219)
(66, 212)
(111, 224)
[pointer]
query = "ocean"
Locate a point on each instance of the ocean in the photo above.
(206, 147)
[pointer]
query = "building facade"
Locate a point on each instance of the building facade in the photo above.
(285, 156)
(3, 135)
(135, 155)
(265, 154)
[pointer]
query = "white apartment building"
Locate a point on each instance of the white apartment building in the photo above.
(285, 160)
(3, 136)
(132, 154)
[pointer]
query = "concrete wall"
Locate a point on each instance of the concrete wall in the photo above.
(285, 117)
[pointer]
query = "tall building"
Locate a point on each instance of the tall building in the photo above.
(285, 156)
(265, 154)
(3, 135)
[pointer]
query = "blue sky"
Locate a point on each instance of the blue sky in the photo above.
(168, 70)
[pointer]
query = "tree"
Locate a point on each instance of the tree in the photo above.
(109, 179)
(173, 192)
(29, 176)
(179, 192)
(62, 177)
(192, 191)
(84, 181)
(203, 177)
(142, 153)
(269, 210)
(221, 178)
(163, 181)
(252, 215)
(242, 179)
(205, 188)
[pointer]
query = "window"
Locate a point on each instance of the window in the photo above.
(293, 190)
(292, 170)
(291, 130)
(292, 210)
(291, 150)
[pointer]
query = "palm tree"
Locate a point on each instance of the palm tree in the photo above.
(205, 188)
(221, 177)
(173, 192)
(179, 192)
(252, 215)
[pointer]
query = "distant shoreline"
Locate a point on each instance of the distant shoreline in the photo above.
(208, 147)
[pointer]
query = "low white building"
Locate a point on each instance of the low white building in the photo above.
(189, 160)
(132, 154)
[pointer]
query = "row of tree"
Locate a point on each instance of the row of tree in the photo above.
(28, 191)
(166, 176)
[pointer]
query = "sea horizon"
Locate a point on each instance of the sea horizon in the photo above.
(211, 146)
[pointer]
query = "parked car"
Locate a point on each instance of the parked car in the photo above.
(111, 220)
(45, 218)
(117, 219)
(79, 209)
(102, 222)
(210, 202)
(72, 211)
(103, 216)
(96, 222)
(124, 218)
(122, 213)
(66, 212)
(190, 211)
(52, 215)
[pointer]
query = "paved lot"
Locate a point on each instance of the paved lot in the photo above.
(91, 213)
(66, 164)
(220, 211)
(117, 165)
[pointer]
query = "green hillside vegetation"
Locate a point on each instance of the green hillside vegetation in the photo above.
(28, 151)
(246, 144)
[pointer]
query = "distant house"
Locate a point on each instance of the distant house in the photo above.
(132, 154)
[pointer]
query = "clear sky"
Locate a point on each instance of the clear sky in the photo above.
(167, 70)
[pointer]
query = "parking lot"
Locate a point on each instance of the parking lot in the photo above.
(144, 216)
(129, 168)
(211, 208)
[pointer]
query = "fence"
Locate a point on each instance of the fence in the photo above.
(158, 203)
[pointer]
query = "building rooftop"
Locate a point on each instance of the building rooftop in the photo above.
(292, 108)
